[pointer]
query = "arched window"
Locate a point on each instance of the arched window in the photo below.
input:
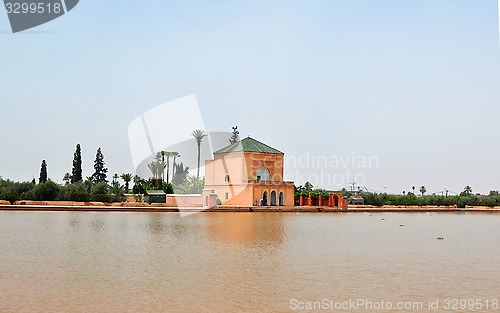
(264, 198)
(273, 197)
(262, 174)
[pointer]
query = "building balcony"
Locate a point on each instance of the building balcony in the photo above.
(270, 183)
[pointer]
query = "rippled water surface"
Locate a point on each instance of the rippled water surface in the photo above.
(243, 262)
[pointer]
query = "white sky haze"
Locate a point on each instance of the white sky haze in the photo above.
(413, 83)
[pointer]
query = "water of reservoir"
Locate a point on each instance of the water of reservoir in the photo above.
(249, 262)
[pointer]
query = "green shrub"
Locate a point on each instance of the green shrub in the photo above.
(79, 196)
(74, 192)
(11, 197)
(46, 191)
(101, 197)
(99, 192)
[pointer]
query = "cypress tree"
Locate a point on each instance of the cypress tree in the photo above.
(43, 173)
(100, 171)
(76, 173)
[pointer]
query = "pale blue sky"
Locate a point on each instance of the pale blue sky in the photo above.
(413, 82)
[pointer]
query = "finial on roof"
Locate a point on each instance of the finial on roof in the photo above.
(235, 135)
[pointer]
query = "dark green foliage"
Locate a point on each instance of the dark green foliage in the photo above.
(76, 173)
(409, 199)
(460, 201)
(422, 190)
(43, 172)
(10, 196)
(374, 199)
(100, 170)
(99, 192)
(308, 187)
(106, 198)
(13, 191)
(300, 191)
(316, 192)
(74, 192)
(67, 178)
(139, 185)
(46, 191)
(168, 188)
(24, 187)
(467, 191)
(79, 196)
(116, 192)
(100, 188)
(126, 178)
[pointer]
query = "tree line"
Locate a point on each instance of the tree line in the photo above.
(408, 198)
(75, 188)
(97, 187)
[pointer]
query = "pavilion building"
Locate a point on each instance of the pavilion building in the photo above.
(248, 173)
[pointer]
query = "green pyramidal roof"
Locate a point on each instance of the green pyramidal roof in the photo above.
(248, 145)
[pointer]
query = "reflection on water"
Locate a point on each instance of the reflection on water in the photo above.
(246, 228)
(240, 262)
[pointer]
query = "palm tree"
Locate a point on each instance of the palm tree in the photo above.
(67, 178)
(181, 173)
(174, 155)
(160, 163)
(157, 167)
(153, 169)
(137, 179)
(422, 190)
(168, 155)
(191, 185)
(198, 135)
(127, 177)
(468, 190)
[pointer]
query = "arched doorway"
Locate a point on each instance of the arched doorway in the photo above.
(273, 197)
(282, 198)
(262, 174)
(264, 198)
(336, 201)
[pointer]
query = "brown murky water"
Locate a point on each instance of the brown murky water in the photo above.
(247, 262)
